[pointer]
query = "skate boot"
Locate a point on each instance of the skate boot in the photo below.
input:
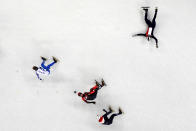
(145, 8)
(120, 111)
(99, 85)
(43, 58)
(55, 59)
(110, 108)
(156, 9)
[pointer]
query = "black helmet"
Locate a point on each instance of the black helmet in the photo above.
(35, 68)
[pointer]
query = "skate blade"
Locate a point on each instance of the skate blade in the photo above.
(55, 58)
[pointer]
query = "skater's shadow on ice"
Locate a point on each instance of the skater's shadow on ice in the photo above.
(59, 78)
(1, 52)
(88, 75)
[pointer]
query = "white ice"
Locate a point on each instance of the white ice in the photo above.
(156, 88)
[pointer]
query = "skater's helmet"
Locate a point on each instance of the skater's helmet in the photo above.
(35, 68)
(80, 94)
(100, 119)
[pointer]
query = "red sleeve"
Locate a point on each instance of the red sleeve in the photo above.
(92, 90)
(84, 99)
(101, 119)
(95, 87)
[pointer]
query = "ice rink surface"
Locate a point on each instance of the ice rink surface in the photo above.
(92, 39)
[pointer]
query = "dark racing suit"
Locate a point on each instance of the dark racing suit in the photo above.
(91, 95)
(107, 121)
(151, 26)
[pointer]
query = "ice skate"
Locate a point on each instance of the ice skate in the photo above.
(97, 83)
(156, 9)
(103, 82)
(120, 111)
(110, 108)
(43, 58)
(55, 59)
(145, 8)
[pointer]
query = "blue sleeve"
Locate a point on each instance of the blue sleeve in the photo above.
(38, 76)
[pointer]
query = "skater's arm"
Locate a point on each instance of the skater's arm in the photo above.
(104, 110)
(38, 76)
(155, 40)
(140, 34)
(88, 102)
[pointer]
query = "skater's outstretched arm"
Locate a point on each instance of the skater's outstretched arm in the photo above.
(38, 76)
(104, 110)
(155, 41)
(155, 14)
(88, 102)
(140, 34)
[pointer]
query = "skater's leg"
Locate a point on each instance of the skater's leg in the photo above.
(95, 94)
(107, 113)
(156, 40)
(110, 120)
(105, 116)
(43, 64)
(153, 20)
(98, 85)
(146, 19)
(140, 34)
(48, 66)
(94, 88)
